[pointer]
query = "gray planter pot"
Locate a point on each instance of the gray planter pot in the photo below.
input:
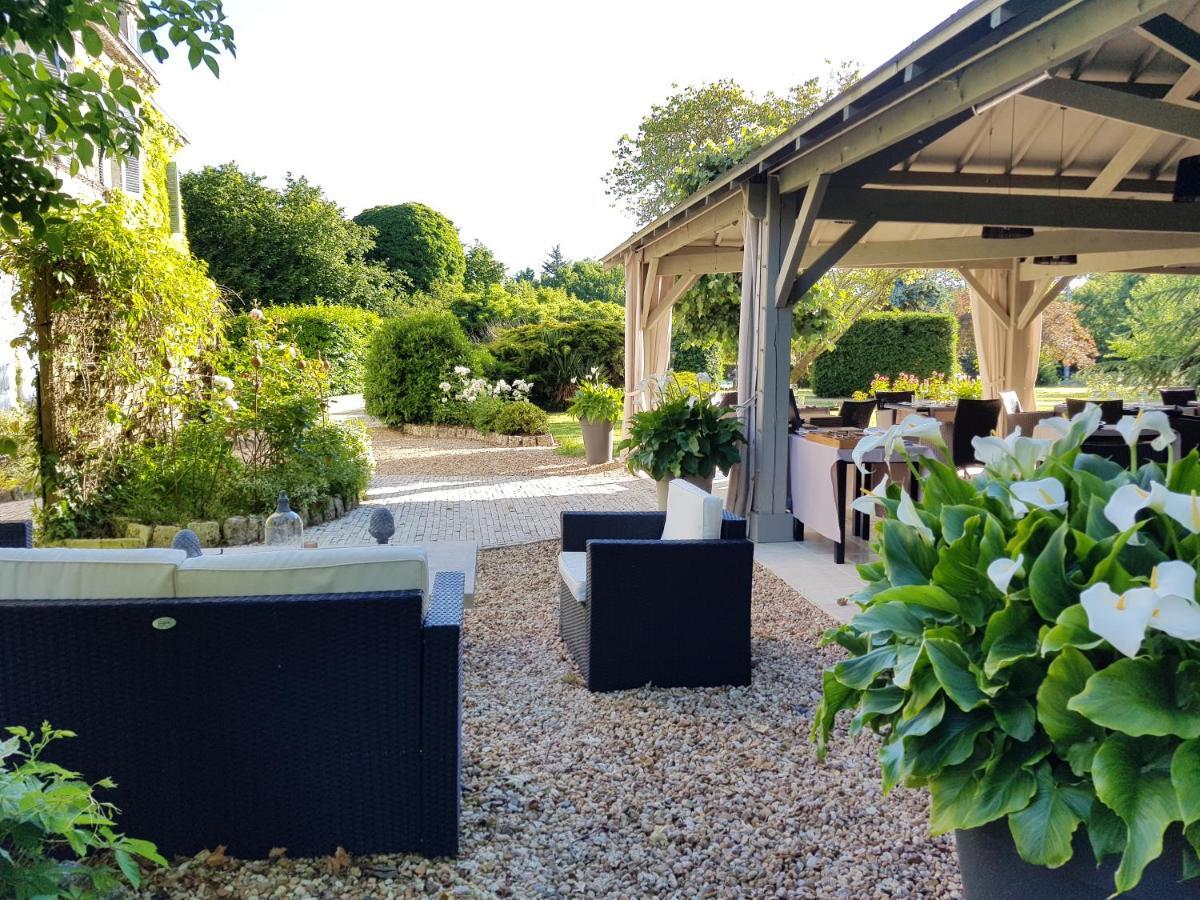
(597, 441)
(705, 484)
(992, 870)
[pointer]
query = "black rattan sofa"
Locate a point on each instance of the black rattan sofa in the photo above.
(662, 613)
(304, 722)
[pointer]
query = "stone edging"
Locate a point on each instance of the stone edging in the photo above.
(460, 431)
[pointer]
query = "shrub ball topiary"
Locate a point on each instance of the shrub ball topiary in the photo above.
(418, 241)
(550, 354)
(520, 417)
(887, 344)
(409, 358)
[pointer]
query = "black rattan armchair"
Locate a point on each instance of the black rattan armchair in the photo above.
(1177, 396)
(885, 398)
(16, 534)
(1111, 411)
(852, 414)
(655, 612)
(973, 418)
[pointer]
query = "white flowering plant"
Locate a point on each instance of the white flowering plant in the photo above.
(471, 388)
(1028, 645)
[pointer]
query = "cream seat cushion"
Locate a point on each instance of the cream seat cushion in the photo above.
(573, 569)
(692, 514)
(338, 570)
(60, 574)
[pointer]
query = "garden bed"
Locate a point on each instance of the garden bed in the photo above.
(463, 432)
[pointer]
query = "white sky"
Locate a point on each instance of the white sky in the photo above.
(502, 115)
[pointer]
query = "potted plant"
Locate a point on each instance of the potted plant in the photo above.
(682, 433)
(597, 406)
(1028, 649)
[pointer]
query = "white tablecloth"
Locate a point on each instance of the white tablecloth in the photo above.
(814, 481)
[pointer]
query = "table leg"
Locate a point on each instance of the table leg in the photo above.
(856, 525)
(839, 549)
(865, 518)
(797, 529)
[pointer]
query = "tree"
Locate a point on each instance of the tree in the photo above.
(482, 268)
(50, 116)
(587, 279)
(553, 267)
(526, 275)
(1064, 338)
(1159, 339)
(717, 113)
(289, 246)
(1104, 305)
(417, 241)
(926, 291)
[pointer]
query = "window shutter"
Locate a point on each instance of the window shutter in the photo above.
(133, 175)
(176, 208)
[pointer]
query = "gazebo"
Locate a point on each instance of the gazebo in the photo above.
(1021, 143)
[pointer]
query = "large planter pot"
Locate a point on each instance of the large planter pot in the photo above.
(705, 484)
(992, 870)
(597, 441)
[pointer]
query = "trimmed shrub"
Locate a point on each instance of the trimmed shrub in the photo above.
(886, 344)
(418, 241)
(340, 335)
(520, 417)
(689, 356)
(484, 412)
(410, 356)
(550, 354)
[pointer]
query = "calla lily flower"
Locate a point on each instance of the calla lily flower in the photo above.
(1121, 619)
(1011, 455)
(1130, 499)
(1131, 428)
(921, 428)
(907, 513)
(1044, 493)
(1177, 613)
(872, 498)
(1001, 571)
(1184, 509)
(912, 428)
(1059, 425)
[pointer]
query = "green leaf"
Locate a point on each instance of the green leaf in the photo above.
(1044, 829)
(1011, 635)
(129, 868)
(1070, 630)
(907, 557)
(1185, 777)
(891, 618)
(949, 744)
(91, 41)
(1049, 587)
(1067, 676)
(953, 670)
(1137, 697)
(1106, 832)
(1016, 715)
(861, 671)
(929, 596)
(1132, 778)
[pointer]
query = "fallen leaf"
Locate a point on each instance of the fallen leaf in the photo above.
(340, 860)
(277, 853)
(573, 678)
(217, 857)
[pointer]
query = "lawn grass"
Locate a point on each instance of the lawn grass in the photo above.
(566, 434)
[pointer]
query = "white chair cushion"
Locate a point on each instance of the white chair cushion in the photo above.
(573, 569)
(692, 514)
(60, 574)
(338, 570)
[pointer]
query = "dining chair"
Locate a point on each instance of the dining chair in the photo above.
(1111, 411)
(974, 418)
(1177, 396)
(884, 398)
(852, 414)
(1113, 448)
(1011, 401)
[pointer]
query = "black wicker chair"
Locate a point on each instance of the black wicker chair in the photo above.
(1113, 448)
(973, 418)
(1188, 429)
(884, 398)
(665, 613)
(16, 534)
(1111, 411)
(305, 722)
(852, 414)
(1177, 396)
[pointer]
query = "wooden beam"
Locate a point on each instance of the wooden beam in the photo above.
(1157, 115)
(1022, 149)
(1020, 210)
(677, 290)
(704, 225)
(711, 262)
(941, 253)
(1116, 261)
(810, 209)
(829, 258)
(1045, 45)
(1140, 142)
(985, 124)
(985, 295)
(1169, 34)
(1035, 308)
(650, 291)
(1050, 184)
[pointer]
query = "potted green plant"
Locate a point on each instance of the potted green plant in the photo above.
(1027, 650)
(597, 406)
(682, 433)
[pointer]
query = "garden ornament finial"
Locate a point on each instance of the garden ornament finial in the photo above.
(382, 525)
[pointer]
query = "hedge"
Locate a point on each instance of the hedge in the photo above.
(887, 344)
(409, 358)
(550, 354)
(340, 335)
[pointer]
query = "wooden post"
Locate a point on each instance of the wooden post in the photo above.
(769, 518)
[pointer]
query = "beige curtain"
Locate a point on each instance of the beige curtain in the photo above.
(1008, 353)
(740, 494)
(657, 339)
(633, 312)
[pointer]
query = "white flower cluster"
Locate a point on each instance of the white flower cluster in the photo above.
(471, 389)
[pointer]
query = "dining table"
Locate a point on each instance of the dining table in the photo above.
(820, 481)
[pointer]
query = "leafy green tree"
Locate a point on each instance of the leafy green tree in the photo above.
(1104, 305)
(50, 113)
(417, 241)
(719, 117)
(526, 275)
(293, 246)
(553, 267)
(482, 268)
(1159, 340)
(925, 292)
(587, 279)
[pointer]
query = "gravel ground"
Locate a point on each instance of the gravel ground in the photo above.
(399, 454)
(648, 793)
